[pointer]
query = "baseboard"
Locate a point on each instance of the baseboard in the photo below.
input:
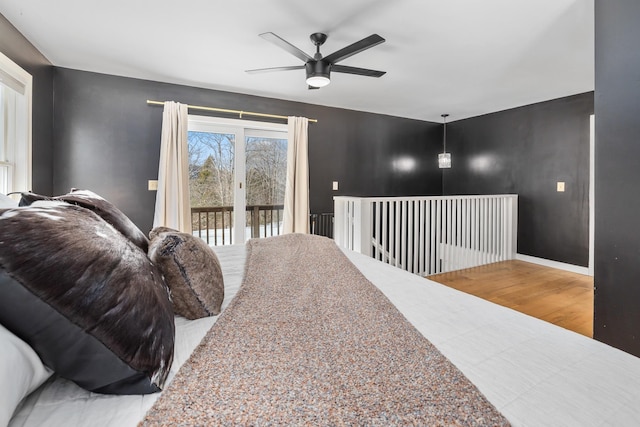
(554, 264)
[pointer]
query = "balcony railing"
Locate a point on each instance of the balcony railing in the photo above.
(215, 224)
(321, 224)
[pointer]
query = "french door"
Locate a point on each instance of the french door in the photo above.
(237, 173)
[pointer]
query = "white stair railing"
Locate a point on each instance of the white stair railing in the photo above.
(429, 235)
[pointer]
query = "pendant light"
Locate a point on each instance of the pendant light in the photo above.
(444, 158)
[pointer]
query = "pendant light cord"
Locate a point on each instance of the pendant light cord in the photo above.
(444, 133)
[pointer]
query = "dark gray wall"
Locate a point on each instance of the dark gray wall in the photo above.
(617, 107)
(19, 50)
(108, 140)
(526, 151)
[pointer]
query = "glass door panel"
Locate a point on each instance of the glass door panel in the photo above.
(265, 169)
(211, 185)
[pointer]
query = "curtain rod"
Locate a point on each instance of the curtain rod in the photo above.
(224, 110)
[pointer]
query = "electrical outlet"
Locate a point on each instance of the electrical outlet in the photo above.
(335, 185)
(560, 186)
(153, 185)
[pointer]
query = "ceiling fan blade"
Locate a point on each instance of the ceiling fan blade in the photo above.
(279, 41)
(354, 48)
(267, 70)
(358, 71)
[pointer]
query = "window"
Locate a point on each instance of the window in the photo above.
(15, 127)
(237, 175)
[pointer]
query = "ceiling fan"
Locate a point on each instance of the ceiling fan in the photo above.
(319, 68)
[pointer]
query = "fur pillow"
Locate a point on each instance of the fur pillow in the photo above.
(105, 209)
(88, 301)
(192, 272)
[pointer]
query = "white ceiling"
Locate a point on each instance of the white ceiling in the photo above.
(462, 57)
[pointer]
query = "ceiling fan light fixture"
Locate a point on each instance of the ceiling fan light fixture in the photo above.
(318, 81)
(318, 73)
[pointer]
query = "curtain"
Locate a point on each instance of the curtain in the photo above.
(296, 195)
(172, 198)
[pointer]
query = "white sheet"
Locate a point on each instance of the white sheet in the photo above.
(535, 373)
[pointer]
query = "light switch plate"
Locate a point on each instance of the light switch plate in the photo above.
(335, 185)
(153, 185)
(560, 186)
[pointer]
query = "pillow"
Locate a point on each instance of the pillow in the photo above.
(192, 272)
(105, 209)
(7, 202)
(89, 302)
(21, 372)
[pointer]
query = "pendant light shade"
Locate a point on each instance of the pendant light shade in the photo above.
(444, 158)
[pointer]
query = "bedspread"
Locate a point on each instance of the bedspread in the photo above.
(309, 340)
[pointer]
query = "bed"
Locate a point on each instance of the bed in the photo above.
(532, 372)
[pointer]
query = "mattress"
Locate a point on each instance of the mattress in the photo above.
(535, 373)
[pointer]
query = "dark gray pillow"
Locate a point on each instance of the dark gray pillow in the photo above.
(89, 302)
(192, 272)
(105, 209)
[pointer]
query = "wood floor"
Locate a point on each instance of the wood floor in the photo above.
(557, 296)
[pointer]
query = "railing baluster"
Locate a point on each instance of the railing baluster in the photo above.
(231, 226)
(437, 237)
(416, 242)
(464, 244)
(458, 228)
(377, 229)
(223, 228)
(409, 240)
(270, 220)
(255, 220)
(384, 208)
(391, 228)
(473, 219)
(484, 230)
(493, 229)
(398, 254)
(421, 233)
(215, 234)
(449, 235)
(432, 237)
